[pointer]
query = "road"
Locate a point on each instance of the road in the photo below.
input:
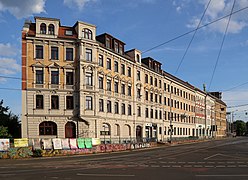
(216, 160)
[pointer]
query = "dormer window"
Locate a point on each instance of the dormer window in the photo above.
(116, 47)
(107, 43)
(86, 33)
(43, 28)
(138, 58)
(51, 29)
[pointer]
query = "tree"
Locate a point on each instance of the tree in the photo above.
(4, 132)
(240, 127)
(9, 122)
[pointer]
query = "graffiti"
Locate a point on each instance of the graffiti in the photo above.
(16, 153)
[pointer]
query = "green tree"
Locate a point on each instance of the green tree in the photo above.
(9, 122)
(240, 127)
(4, 132)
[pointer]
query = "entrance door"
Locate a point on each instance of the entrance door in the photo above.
(70, 130)
(139, 133)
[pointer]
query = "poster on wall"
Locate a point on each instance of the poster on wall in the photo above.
(88, 143)
(36, 144)
(65, 143)
(4, 144)
(21, 142)
(80, 142)
(73, 143)
(47, 144)
(57, 143)
(96, 141)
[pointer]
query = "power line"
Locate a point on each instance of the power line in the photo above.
(10, 89)
(237, 106)
(222, 43)
(184, 34)
(192, 38)
(235, 87)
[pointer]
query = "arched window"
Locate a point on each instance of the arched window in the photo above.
(70, 130)
(48, 128)
(138, 58)
(86, 33)
(51, 29)
(43, 28)
(105, 129)
(117, 129)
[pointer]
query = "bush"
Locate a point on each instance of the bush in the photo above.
(37, 153)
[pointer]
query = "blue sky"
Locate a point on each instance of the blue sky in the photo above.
(143, 24)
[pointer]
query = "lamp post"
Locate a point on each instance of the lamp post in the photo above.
(104, 134)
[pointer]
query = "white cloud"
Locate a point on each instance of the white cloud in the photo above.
(9, 66)
(7, 50)
(79, 4)
(22, 8)
(217, 9)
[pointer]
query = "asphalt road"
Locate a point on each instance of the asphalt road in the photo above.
(216, 160)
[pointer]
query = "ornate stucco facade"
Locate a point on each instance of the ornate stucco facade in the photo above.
(78, 84)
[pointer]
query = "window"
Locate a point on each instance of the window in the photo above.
(151, 97)
(69, 78)
(108, 85)
(123, 108)
(116, 66)
(100, 60)
(109, 106)
(39, 102)
(101, 105)
(146, 78)
(69, 102)
(122, 69)
(123, 88)
(160, 114)
(138, 75)
(54, 102)
(129, 71)
(39, 52)
(51, 29)
(151, 80)
(107, 43)
(88, 55)
(88, 79)
(151, 113)
(160, 99)
(39, 76)
(43, 28)
(105, 130)
(164, 100)
(48, 128)
(86, 33)
(138, 93)
(88, 104)
(69, 54)
(108, 63)
(156, 82)
(129, 91)
(116, 84)
(116, 47)
(116, 108)
(138, 58)
(147, 95)
(68, 32)
(100, 80)
(160, 84)
(55, 77)
(156, 98)
(156, 114)
(129, 110)
(164, 86)
(54, 53)
(120, 49)
(147, 112)
(139, 111)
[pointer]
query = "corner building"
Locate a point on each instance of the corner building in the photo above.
(77, 84)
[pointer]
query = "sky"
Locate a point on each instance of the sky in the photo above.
(215, 54)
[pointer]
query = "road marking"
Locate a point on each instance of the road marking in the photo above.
(242, 165)
(222, 175)
(191, 162)
(181, 162)
(220, 166)
(155, 166)
(165, 166)
(231, 166)
(209, 166)
(198, 166)
(176, 166)
(211, 162)
(187, 166)
(211, 156)
(107, 175)
(230, 162)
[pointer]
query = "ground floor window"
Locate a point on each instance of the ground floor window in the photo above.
(48, 128)
(70, 130)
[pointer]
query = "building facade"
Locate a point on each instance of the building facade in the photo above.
(79, 84)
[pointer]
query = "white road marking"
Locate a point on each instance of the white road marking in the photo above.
(211, 156)
(165, 166)
(221, 166)
(222, 175)
(176, 166)
(107, 175)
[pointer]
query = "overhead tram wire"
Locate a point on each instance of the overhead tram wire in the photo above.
(192, 38)
(184, 34)
(235, 87)
(221, 47)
